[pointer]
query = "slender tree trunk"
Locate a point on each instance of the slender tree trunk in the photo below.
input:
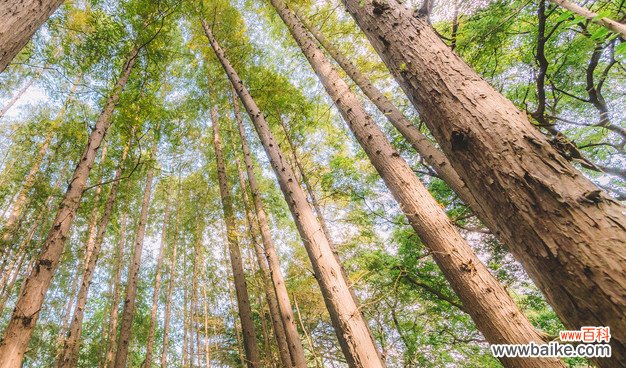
(431, 154)
(71, 348)
(12, 224)
(277, 324)
(16, 97)
(608, 23)
(350, 327)
(207, 347)
(282, 297)
(115, 298)
(17, 334)
(567, 233)
(492, 309)
(253, 356)
(20, 20)
(170, 285)
(185, 315)
(93, 216)
(67, 311)
(128, 313)
(318, 361)
(157, 287)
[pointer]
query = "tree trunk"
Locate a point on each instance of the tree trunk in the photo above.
(18, 332)
(170, 285)
(116, 280)
(495, 313)
(157, 287)
(277, 324)
(128, 312)
(568, 234)
(71, 347)
(431, 154)
(12, 224)
(20, 20)
(608, 23)
(16, 97)
(294, 343)
(348, 322)
(207, 347)
(241, 289)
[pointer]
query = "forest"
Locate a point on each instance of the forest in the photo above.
(312, 183)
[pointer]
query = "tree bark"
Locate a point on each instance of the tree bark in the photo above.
(21, 19)
(608, 23)
(569, 235)
(294, 343)
(128, 313)
(346, 317)
(207, 347)
(253, 356)
(71, 346)
(495, 313)
(431, 154)
(157, 287)
(270, 295)
(20, 328)
(116, 280)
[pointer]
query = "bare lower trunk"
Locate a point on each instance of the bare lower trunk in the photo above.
(128, 313)
(492, 309)
(282, 297)
(243, 302)
(157, 287)
(277, 324)
(115, 298)
(18, 332)
(346, 317)
(568, 234)
(71, 347)
(20, 20)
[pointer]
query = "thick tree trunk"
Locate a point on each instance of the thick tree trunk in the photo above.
(115, 298)
(170, 286)
(157, 287)
(294, 343)
(431, 154)
(567, 233)
(346, 317)
(71, 346)
(277, 324)
(12, 224)
(492, 309)
(18, 332)
(128, 313)
(253, 359)
(20, 20)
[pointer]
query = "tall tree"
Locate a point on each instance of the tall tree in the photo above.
(541, 205)
(130, 295)
(116, 279)
(614, 26)
(17, 334)
(71, 346)
(21, 19)
(157, 288)
(294, 344)
(253, 356)
(350, 326)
